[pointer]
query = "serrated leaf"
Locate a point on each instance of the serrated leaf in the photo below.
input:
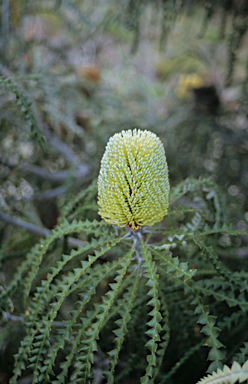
(215, 354)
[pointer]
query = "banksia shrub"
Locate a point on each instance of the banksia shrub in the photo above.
(137, 305)
(133, 185)
(121, 301)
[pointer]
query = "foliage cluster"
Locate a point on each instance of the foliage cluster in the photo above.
(164, 288)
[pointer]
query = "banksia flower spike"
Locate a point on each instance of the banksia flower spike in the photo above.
(133, 185)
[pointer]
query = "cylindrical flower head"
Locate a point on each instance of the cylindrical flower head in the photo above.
(133, 185)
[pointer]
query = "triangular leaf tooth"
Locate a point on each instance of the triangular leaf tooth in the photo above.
(73, 313)
(151, 359)
(82, 358)
(225, 227)
(151, 332)
(78, 271)
(206, 228)
(203, 319)
(117, 332)
(212, 342)
(99, 253)
(128, 317)
(66, 258)
(152, 301)
(83, 351)
(155, 312)
(33, 359)
(118, 278)
(37, 344)
(175, 261)
(158, 328)
(184, 266)
(212, 320)
(144, 380)
(53, 305)
(149, 282)
(152, 322)
(215, 354)
(215, 227)
(90, 361)
(84, 264)
(206, 330)
(150, 345)
(113, 352)
(171, 268)
(109, 294)
(119, 322)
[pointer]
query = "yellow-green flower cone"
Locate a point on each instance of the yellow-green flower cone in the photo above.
(133, 185)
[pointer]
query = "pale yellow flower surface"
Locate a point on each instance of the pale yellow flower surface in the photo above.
(133, 184)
